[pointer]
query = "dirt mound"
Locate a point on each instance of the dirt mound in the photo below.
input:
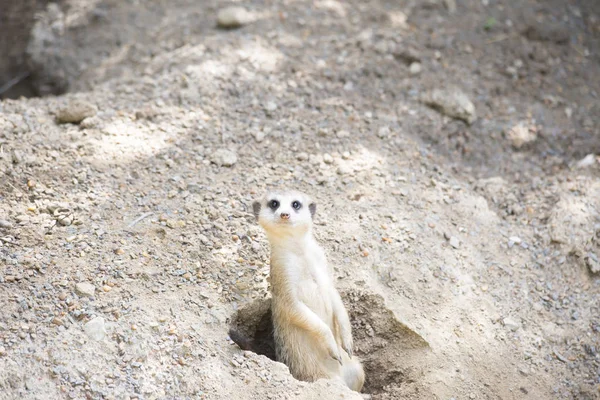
(462, 229)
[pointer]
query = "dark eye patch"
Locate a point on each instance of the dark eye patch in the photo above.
(296, 205)
(274, 205)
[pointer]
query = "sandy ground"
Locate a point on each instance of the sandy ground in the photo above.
(446, 144)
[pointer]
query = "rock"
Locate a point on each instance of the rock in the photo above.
(450, 5)
(515, 239)
(546, 31)
(76, 112)
(91, 122)
(232, 17)
(327, 158)
(259, 136)
(224, 158)
(415, 68)
(4, 224)
(511, 324)
(521, 134)
(384, 132)
(17, 157)
(95, 328)
(65, 220)
(342, 134)
(407, 55)
(591, 260)
(585, 162)
(302, 156)
(2, 351)
(147, 113)
(344, 170)
(270, 106)
(85, 289)
(454, 242)
(451, 102)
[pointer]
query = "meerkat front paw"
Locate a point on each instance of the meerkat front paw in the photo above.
(345, 337)
(347, 343)
(332, 348)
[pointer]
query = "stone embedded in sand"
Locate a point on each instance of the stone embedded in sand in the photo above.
(415, 68)
(95, 328)
(232, 17)
(586, 161)
(454, 242)
(511, 324)
(452, 102)
(224, 158)
(591, 260)
(521, 134)
(76, 112)
(85, 289)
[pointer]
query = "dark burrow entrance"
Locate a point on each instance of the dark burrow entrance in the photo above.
(18, 75)
(391, 352)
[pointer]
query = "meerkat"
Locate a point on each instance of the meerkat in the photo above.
(311, 327)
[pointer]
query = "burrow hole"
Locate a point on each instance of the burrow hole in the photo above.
(386, 347)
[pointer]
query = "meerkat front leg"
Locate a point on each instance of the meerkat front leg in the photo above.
(304, 318)
(342, 320)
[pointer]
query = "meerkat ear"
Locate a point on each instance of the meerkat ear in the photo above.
(256, 208)
(312, 207)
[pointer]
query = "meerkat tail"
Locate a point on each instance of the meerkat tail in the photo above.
(353, 374)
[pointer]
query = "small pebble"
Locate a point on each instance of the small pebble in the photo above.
(224, 158)
(415, 68)
(95, 328)
(454, 242)
(511, 323)
(232, 17)
(85, 289)
(76, 112)
(5, 224)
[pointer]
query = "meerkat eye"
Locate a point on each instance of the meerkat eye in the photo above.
(274, 204)
(296, 205)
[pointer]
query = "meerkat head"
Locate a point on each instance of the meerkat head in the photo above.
(285, 213)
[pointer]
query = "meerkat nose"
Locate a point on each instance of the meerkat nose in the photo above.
(285, 216)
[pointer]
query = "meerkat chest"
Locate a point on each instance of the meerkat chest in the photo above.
(314, 286)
